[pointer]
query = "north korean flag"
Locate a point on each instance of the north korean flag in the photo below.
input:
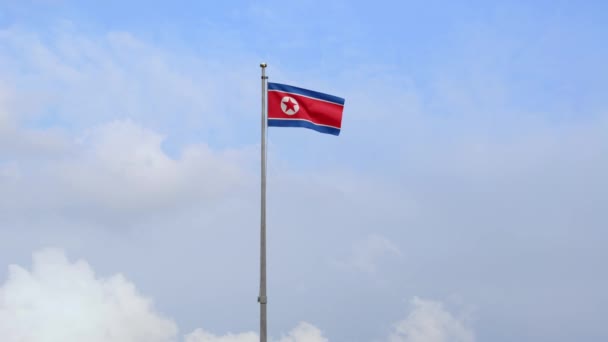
(290, 106)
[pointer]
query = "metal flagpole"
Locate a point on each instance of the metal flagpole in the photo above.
(262, 299)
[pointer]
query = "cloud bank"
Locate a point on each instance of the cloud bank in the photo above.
(59, 300)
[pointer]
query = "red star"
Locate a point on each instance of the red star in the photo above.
(290, 105)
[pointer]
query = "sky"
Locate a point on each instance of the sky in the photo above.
(464, 200)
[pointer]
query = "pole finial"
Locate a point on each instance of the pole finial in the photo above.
(263, 65)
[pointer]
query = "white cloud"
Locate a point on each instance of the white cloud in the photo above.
(87, 80)
(199, 335)
(60, 301)
(303, 332)
(366, 254)
(123, 167)
(120, 168)
(430, 322)
(63, 103)
(20, 141)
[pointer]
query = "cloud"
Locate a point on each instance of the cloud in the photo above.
(430, 322)
(59, 300)
(93, 126)
(123, 167)
(367, 253)
(303, 332)
(199, 335)
(80, 81)
(119, 169)
(16, 141)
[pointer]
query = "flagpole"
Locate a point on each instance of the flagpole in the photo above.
(262, 299)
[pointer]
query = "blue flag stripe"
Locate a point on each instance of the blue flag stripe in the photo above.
(305, 124)
(305, 92)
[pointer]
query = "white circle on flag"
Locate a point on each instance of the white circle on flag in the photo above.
(289, 105)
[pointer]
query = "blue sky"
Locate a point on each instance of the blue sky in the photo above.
(465, 199)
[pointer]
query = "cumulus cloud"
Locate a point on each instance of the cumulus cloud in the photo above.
(429, 321)
(58, 300)
(303, 332)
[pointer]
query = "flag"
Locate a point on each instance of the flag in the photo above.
(290, 106)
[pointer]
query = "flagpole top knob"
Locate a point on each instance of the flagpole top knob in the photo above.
(263, 65)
